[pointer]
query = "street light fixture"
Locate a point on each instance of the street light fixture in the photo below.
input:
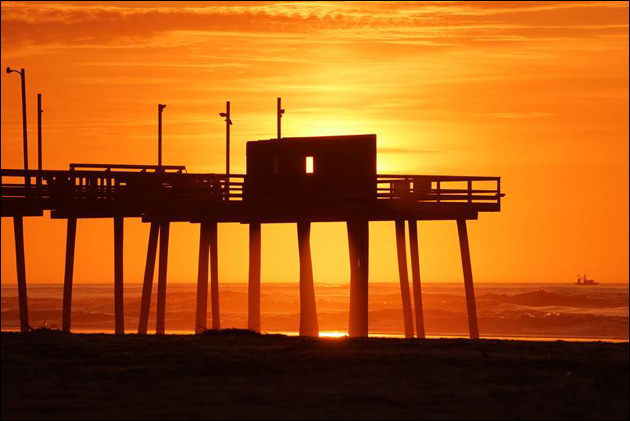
(22, 74)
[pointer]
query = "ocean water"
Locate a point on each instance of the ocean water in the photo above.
(510, 310)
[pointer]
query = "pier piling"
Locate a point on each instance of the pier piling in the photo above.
(119, 303)
(202, 279)
(214, 276)
(147, 285)
(415, 275)
(358, 237)
(253, 294)
(18, 228)
(308, 308)
(163, 266)
(403, 274)
(471, 307)
(71, 234)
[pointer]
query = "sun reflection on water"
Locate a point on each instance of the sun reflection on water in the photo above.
(333, 334)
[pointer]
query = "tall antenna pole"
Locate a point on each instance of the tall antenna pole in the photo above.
(39, 137)
(280, 111)
(160, 109)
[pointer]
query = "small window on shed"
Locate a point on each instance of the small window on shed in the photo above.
(310, 165)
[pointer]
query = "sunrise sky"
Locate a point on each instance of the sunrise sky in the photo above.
(534, 92)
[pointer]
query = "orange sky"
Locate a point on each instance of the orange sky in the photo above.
(534, 92)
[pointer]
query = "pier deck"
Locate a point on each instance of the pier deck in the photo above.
(169, 193)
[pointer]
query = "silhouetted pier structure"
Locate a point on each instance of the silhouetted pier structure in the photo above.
(288, 180)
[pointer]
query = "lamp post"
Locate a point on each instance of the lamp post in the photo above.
(160, 110)
(228, 123)
(279, 113)
(22, 74)
(40, 165)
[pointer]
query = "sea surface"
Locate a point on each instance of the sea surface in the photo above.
(510, 310)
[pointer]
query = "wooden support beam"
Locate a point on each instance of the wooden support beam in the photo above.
(358, 242)
(119, 302)
(253, 294)
(404, 278)
(214, 276)
(415, 275)
(71, 235)
(308, 309)
(20, 260)
(201, 320)
(147, 285)
(473, 327)
(163, 266)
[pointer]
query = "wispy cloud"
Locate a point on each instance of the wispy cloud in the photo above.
(515, 115)
(393, 22)
(397, 151)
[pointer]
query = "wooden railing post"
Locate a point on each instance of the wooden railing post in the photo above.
(438, 185)
(499, 191)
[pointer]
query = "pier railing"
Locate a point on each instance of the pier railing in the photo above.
(439, 188)
(132, 182)
(121, 183)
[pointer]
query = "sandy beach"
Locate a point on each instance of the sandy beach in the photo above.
(238, 374)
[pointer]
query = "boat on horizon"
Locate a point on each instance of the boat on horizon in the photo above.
(583, 280)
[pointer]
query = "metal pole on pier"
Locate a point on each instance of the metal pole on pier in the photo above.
(22, 74)
(160, 110)
(279, 113)
(228, 123)
(39, 138)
